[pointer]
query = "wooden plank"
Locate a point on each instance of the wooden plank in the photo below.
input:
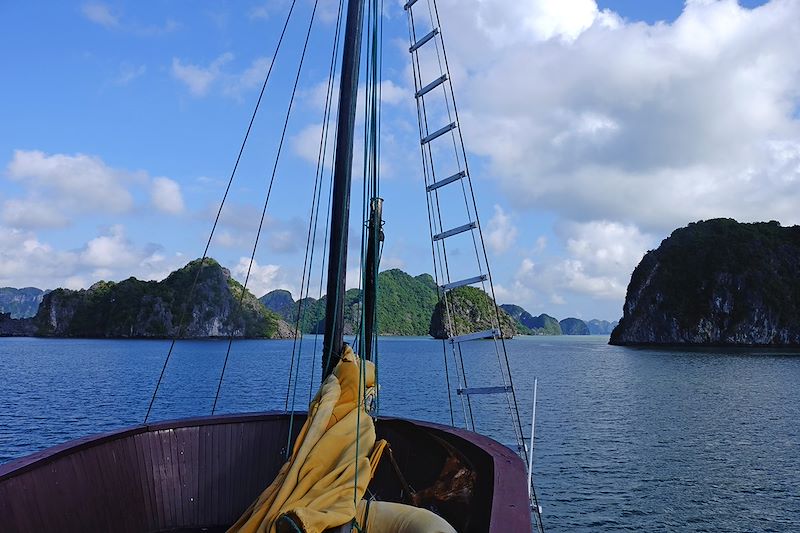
(204, 474)
(165, 478)
(155, 470)
(146, 477)
(137, 491)
(24, 514)
(226, 456)
(187, 470)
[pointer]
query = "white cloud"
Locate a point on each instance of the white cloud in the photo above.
(608, 247)
(600, 258)
(109, 250)
(101, 14)
(32, 214)
(57, 188)
(592, 117)
(59, 185)
(306, 142)
(198, 78)
(500, 231)
(506, 21)
(166, 196)
(263, 278)
(252, 77)
(391, 93)
(25, 260)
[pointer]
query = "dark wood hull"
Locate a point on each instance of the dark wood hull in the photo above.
(200, 474)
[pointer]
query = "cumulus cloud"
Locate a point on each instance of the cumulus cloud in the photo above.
(590, 116)
(61, 185)
(508, 21)
(166, 196)
(109, 250)
(26, 213)
(26, 260)
(58, 188)
(263, 278)
(500, 231)
(600, 257)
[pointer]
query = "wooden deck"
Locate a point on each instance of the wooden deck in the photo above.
(200, 474)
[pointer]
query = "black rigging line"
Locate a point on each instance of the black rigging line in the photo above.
(311, 237)
(269, 193)
(181, 322)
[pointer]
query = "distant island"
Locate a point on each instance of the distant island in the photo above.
(20, 303)
(407, 306)
(716, 282)
(150, 309)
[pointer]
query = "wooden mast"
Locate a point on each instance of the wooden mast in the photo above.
(340, 203)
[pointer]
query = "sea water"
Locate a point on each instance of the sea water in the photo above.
(626, 439)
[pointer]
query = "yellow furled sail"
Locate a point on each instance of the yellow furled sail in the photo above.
(330, 466)
(330, 469)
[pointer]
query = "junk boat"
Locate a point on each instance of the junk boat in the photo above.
(337, 467)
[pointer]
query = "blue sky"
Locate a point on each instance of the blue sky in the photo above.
(593, 130)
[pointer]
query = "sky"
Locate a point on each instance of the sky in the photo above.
(592, 129)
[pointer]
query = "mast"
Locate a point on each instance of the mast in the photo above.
(374, 239)
(340, 202)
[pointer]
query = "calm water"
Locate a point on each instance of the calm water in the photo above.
(626, 439)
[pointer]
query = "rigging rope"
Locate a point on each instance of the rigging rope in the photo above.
(181, 322)
(311, 236)
(480, 233)
(269, 192)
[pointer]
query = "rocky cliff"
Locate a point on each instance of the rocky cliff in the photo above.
(16, 327)
(20, 303)
(545, 325)
(528, 324)
(574, 326)
(716, 282)
(521, 318)
(472, 310)
(601, 327)
(136, 309)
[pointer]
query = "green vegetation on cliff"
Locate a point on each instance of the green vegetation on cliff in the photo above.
(405, 306)
(716, 282)
(472, 310)
(574, 326)
(134, 308)
(545, 325)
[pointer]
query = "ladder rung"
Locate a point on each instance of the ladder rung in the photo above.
(430, 35)
(432, 85)
(441, 183)
(485, 390)
(454, 231)
(409, 4)
(461, 283)
(488, 334)
(438, 133)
